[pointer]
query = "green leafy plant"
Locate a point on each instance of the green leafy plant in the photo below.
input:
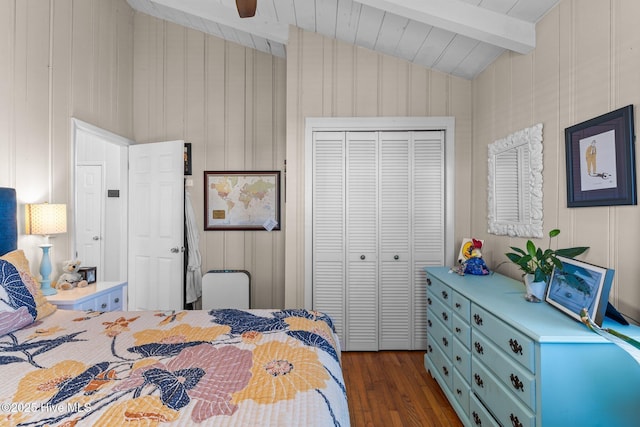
(540, 263)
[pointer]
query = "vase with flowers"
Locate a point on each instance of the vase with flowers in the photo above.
(537, 264)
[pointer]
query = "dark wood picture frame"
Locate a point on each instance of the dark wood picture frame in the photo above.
(600, 155)
(242, 200)
(90, 274)
(187, 158)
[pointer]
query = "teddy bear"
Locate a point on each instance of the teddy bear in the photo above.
(70, 278)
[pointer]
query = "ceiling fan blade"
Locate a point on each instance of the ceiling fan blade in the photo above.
(246, 8)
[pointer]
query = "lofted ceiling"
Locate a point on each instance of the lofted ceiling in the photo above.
(457, 37)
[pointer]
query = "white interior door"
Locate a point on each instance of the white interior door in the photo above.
(89, 221)
(156, 226)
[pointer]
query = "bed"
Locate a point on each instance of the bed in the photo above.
(223, 367)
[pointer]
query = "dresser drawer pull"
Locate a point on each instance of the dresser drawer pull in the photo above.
(459, 392)
(478, 319)
(117, 300)
(478, 379)
(515, 422)
(516, 383)
(429, 323)
(428, 282)
(445, 341)
(429, 301)
(445, 295)
(445, 317)
(103, 305)
(479, 348)
(429, 349)
(445, 371)
(458, 330)
(458, 358)
(476, 419)
(515, 347)
(458, 305)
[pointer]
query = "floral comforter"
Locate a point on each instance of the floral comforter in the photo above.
(216, 368)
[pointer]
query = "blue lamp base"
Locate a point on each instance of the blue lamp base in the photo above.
(45, 271)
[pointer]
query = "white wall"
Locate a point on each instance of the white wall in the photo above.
(58, 59)
(585, 64)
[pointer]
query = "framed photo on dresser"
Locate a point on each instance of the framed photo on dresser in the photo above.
(579, 285)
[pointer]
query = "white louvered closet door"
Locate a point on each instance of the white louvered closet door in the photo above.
(362, 241)
(329, 267)
(428, 232)
(411, 232)
(396, 212)
(378, 220)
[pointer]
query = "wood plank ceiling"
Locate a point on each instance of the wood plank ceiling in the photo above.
(458, 37)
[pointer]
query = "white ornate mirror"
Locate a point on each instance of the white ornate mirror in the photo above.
(515, 184)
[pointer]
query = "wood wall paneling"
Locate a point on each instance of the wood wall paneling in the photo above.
(585, 64)
(227, 100)
(57, 60)
(7, 89)
(148, 80)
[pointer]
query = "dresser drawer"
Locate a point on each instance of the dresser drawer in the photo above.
(85, 305)
(441, 363)
(462, 360)
(517, 345)
(514, 376)
(505, 407)
(461, 330)
(102, 302)
(439, 333)
(479, 415)
(439, 290)
(461, 391)
(115, 300)
(461, 306)
(440, 310)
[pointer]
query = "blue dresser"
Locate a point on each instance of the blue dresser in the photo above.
(503, 361)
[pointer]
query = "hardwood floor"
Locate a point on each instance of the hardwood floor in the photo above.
(392, 388)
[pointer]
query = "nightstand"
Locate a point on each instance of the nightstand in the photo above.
(99, 296)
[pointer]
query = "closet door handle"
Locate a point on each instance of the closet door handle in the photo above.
(362, 257)
(176, 249)
(396, 257)
(96, 238)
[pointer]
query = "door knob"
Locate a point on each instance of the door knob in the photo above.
(96, 237)
(176, 249)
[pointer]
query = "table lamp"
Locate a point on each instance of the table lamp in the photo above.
(46, 219)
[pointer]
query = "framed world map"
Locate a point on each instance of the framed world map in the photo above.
(241, 200)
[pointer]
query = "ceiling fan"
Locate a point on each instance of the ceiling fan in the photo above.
(246, 8)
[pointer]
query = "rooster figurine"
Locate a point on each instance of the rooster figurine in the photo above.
(474, 264)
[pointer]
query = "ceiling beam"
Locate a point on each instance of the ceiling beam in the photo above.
(463, 18)
(215, 11)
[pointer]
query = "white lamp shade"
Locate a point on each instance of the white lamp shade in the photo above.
(46, 218)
